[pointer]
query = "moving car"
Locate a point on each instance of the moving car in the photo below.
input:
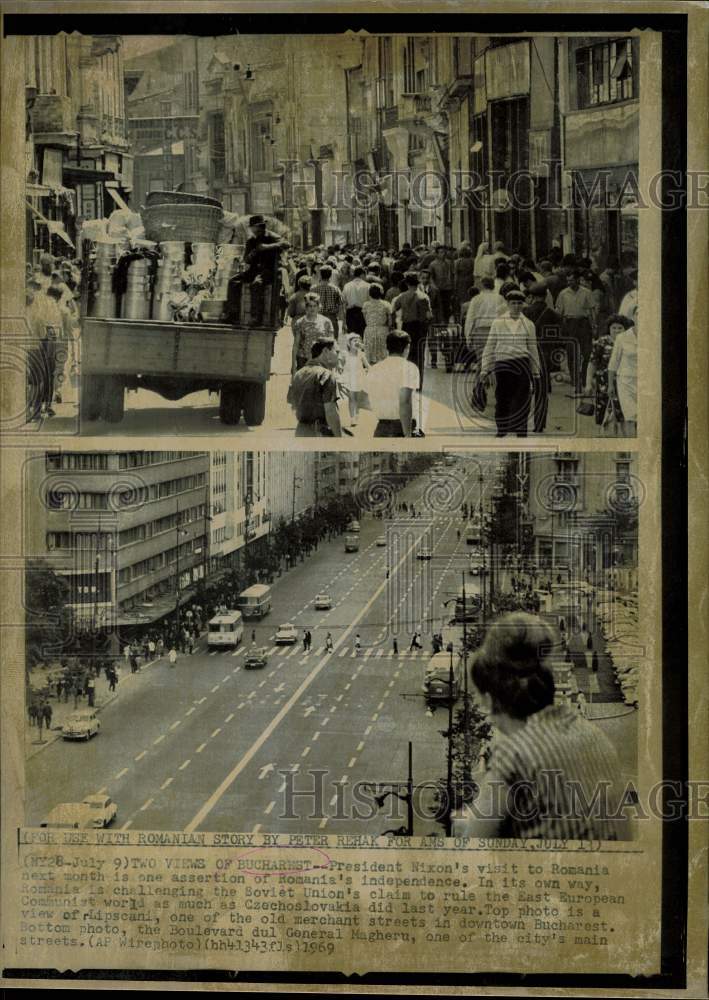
(256, 660)
(81, 725)
(352, 542)
(438, 675)
(424, 552)
(103, 809)
(353, 526)
(70, 816)
(287, 634)
(323, 602)
(381, 541)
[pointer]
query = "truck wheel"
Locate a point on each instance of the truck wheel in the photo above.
(254, 403)
(113, 401)
(91, 397)
(230, 403)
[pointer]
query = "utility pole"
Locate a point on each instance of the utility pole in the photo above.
(449, 770)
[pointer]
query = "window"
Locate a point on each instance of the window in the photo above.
(606, 73)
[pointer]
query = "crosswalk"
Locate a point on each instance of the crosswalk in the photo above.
(365, 653)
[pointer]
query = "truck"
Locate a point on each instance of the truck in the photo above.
(229, 353)
(351, 542)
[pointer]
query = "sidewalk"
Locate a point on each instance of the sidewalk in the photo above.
(61, 709)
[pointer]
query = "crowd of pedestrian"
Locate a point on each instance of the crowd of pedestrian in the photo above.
(517, 324)
(52, 313)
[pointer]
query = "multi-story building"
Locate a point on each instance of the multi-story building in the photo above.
(239, 507)
(128, 529)
(582, 508)
(79, 165)
(162, 102)
(600, 103)
(290, 485)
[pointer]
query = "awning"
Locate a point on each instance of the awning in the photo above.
(116, 197)
(37, 190)
(53, 225)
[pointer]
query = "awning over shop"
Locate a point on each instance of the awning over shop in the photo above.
(115, 195)
(55, 227)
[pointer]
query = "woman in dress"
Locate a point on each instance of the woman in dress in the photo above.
(307, 329)
(597, 375)
(623, 376)
(377, 314)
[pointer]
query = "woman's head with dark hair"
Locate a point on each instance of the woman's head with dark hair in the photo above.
(304, 282)
(376, 291)
(502, 270)
(487, 283)
(617, 319)
(511, 667)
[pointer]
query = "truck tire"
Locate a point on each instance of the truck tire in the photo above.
(91, 397)
(230, 403)
(254, 403)
(113, 400)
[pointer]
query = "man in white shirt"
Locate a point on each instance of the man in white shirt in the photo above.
(391, 384)
(354, 295)
(483, 309)
(511, 354)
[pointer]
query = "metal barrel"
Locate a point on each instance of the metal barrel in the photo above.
(136, 301)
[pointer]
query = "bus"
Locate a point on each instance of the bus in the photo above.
(255, 602)
(225, 630)
(351, 543)
(473, 534)
(437, 677)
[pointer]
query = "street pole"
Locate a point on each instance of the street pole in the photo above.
(449, 772)
(410, 794)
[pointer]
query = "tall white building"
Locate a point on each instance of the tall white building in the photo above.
(239, 507)
(290, 484)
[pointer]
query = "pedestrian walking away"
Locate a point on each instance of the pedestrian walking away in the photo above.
(172, 656)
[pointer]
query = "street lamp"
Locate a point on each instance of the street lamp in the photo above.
(179, 532)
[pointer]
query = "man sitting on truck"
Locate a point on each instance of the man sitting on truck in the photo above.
(262, 254)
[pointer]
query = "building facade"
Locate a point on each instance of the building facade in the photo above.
(79, 164)
(239, 508)
(128, 530)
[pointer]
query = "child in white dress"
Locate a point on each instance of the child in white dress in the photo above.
(354, 374)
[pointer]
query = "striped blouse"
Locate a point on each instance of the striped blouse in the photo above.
(552, 767)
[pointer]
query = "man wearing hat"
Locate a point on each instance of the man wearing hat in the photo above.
(261, 253)
(511, 355)
(547, 325)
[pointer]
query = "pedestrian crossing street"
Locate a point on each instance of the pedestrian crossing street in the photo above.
(365, 653)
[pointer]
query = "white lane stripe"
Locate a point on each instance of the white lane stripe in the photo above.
(215, 688)
(315, 736)
(184, 764)
(294, 699)
(120, 774)
(227, 678)
(305, 752)
(238, 652)
(360, 746)
(256, 828)
(189, 711)
(347, 687)
(158, 740)
(141, 755)
(215, 733)
(352, 762)
(368, 652)
(175, 724)
(200, 748)
(165, 784)
(380, 652)
(146, 805)
(126, 825)
(380, 706)
(269, 807)
(201, 700)
(229, 718)
(325, 721)
(367, 730)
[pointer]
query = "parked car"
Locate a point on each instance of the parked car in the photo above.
(424, 552)
(81, 725)
(353, 526)
(256, 660)
(103, 809)
(287, 634)
(382, 540)
(323, 602)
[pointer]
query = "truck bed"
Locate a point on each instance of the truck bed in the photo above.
(201, 350)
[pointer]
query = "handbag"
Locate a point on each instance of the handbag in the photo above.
(479, 398)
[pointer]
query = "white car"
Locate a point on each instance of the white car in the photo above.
(323, 602)
(81, 725)
(381, 541)
(353, 526)
(287, 634)
(103, 809)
